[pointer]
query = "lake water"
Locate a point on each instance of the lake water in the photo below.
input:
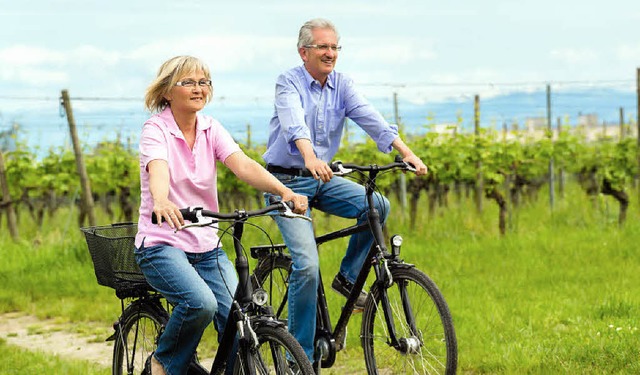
(43, 124)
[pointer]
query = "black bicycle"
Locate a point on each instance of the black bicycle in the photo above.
(406, 323)
(264, 344)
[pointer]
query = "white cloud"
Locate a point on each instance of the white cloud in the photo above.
(628, 52)
(222, 53)
(574, 55)
(28, 55)
(392, 50)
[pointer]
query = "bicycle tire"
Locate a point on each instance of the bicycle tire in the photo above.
(278, 352)
(272, 275)
(430, 349)
(136, 337)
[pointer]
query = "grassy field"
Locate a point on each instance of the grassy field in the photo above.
(560, 293)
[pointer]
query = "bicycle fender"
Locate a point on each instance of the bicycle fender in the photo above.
(264, 321)
(401, 265)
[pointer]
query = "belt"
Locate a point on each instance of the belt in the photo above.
(301, 172)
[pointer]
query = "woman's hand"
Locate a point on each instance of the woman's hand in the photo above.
(169, 211)
(300, 202)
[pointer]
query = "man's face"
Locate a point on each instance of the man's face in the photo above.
(320, 61)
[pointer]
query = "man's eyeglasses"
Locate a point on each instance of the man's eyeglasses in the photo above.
(324, 47)
(191, 83)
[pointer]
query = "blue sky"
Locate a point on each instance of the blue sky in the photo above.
(423, 48)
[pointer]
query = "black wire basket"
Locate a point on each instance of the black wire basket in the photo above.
(111, 248)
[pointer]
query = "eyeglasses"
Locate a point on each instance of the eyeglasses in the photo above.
(324, 47)
(191, 83)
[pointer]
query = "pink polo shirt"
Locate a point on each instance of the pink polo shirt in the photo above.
(193, 179)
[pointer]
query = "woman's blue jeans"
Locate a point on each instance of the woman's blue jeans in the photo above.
(340, 197)
(200, 286)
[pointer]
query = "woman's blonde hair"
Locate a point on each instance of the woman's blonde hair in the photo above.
(169, 73)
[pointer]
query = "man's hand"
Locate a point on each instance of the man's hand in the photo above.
(421, 168)
(319, 169)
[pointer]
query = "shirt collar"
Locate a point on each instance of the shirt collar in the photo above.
(310, 80)
(167, 117)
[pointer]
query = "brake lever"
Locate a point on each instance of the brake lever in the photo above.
(410, 167)
(288, 213)
(341, 170)
(200, 221)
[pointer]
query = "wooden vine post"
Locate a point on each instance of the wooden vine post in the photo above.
(402, 178)
(7, 203)
(87, 207)
(479, 188)
(550, 130)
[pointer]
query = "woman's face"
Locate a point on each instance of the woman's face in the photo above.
(190, 93)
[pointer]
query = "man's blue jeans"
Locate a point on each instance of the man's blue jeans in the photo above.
(200, 286)
(340, 197)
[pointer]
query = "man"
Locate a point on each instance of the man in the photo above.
(311, 104)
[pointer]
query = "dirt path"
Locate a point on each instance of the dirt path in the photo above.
(55, 338)
(61, 339)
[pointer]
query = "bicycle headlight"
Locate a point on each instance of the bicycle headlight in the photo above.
(396, 242)
(260, 297)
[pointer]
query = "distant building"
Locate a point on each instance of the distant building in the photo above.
(589, 120)
(535, 124)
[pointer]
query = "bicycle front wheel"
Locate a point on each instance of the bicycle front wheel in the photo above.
(425, 341)
(277, 353)
(136, 337)
(272, 275)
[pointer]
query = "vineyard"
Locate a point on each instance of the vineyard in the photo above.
(488, 168)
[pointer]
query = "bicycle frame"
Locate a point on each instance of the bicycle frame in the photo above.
(333, 339)
(378, 257)
(238, 320)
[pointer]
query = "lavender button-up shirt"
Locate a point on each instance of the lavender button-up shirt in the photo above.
(305, 109)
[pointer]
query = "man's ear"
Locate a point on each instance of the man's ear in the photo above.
(303, 53)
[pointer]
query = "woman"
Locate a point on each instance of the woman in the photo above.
(179, 148)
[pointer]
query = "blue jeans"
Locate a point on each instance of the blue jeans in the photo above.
(200, 286)
(340, 197)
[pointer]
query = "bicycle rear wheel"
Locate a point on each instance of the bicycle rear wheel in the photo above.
(136, 337)
(423, 325)
(277, 353)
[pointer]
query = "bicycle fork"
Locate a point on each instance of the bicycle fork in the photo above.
(380, 259)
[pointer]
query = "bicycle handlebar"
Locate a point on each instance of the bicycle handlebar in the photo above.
(201, 217)
(340, 169)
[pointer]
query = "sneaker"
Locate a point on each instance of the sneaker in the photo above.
(147, 365)
(343, 286)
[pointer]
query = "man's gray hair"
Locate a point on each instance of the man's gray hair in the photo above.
(305, 36)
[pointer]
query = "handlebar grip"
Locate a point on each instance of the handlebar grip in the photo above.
(187, 214)
(274, 200)
(398, 159)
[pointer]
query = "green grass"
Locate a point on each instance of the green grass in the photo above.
(16, 361)
(559, 293)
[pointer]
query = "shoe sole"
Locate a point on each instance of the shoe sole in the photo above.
(356, 309)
